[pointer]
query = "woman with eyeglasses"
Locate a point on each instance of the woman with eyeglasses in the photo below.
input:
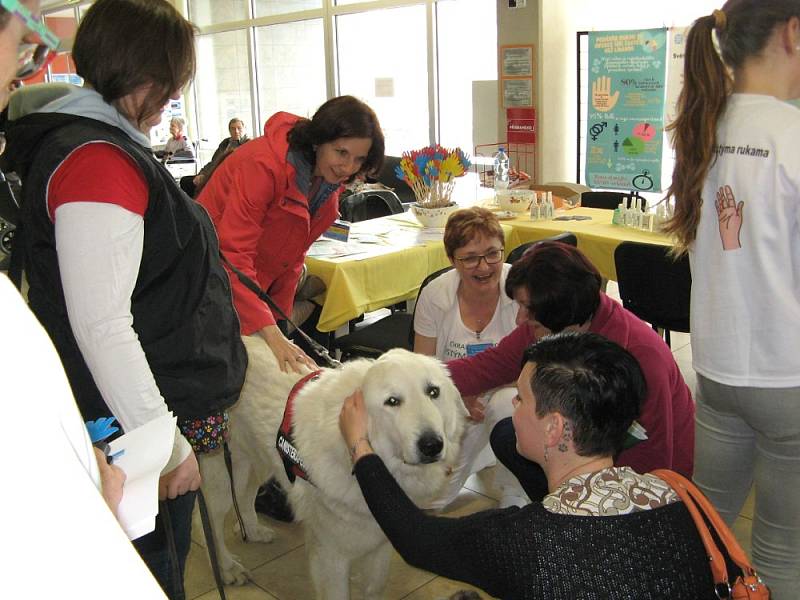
(123, 267)
(461, 313)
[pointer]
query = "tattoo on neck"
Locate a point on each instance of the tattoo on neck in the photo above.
(566, 437)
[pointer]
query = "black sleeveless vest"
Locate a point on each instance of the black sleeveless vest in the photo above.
(182, 307)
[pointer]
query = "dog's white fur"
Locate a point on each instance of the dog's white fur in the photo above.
(338, 525)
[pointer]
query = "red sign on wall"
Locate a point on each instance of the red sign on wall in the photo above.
(521, 125)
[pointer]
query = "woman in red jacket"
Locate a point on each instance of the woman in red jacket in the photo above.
(274, 196)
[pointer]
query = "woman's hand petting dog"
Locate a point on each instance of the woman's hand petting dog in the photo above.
(353, 425)
(475, 408)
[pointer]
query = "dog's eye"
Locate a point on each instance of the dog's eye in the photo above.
(393, 401)
(433, 391)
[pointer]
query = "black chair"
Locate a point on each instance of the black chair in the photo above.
(608, 200)
(387, 177)
(370, 204)
(654, 286)
(566, 237)
(393, 331)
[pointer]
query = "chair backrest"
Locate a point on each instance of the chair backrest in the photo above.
(369, 205)
(566, 237)
(608, 200)
(387, 177)
(654, 286)
(425, 282)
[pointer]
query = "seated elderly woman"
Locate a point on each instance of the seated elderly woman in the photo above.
(601, 532)
(462, 313)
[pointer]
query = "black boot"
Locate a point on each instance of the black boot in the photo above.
(271, 501)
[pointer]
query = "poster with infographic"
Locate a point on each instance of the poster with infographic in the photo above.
(625, 125)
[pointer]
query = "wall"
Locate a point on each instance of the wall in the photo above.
(559, 23)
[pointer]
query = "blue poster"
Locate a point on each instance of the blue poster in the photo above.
(625, 128)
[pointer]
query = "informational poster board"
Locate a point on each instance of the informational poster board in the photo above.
(516, 76)
(625, 125)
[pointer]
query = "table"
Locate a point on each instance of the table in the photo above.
(597, 238)
(382, 273)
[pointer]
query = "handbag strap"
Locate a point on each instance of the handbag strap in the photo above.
(694, 498)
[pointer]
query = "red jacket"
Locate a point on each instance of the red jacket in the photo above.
(263, 221)
(667, 411)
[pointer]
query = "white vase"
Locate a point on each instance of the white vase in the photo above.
(433, 217)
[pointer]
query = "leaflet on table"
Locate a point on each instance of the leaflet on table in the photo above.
(142, 453)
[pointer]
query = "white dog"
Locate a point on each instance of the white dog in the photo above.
(416, 418)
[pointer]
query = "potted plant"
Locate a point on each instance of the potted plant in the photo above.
(431, 173)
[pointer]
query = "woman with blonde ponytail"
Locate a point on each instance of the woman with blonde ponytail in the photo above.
(736, 187)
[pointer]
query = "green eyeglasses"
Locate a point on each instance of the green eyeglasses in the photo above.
(32, 57)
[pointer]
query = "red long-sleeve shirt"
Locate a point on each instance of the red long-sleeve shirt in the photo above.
(667, 412)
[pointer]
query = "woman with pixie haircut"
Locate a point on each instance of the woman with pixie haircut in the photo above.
(461, 313)
(601, 531)
(123, 267)
(736, 185)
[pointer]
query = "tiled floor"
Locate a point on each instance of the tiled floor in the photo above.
(279, 569)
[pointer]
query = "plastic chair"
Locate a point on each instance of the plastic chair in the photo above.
(387, 177)
(608, 200)
(654, 286)
(567, 237)
(393, 331)
(370, 204)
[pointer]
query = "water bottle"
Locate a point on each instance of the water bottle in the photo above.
(501, 169)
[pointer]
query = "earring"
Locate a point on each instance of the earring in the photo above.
(546, 450)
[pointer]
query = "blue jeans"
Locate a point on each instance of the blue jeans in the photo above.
(154, 549)
(752, 435)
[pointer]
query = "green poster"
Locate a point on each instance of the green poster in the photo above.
(625, 128)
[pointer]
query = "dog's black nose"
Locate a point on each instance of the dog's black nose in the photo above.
(430, 446)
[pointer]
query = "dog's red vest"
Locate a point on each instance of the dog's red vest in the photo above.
(292, 461)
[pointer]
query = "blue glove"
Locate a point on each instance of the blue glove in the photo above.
(101, 428)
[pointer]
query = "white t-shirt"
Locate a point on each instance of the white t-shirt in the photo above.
(63, 540)
(745, 317)
(437, 316)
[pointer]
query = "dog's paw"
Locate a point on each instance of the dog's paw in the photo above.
(236, 574)
(257, 533)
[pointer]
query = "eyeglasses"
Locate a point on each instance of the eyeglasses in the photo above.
(492, 258)
(32, 57)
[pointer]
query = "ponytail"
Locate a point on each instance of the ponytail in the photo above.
(743, 28)
(706, 87)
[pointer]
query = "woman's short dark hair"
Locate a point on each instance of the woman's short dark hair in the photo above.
(122, 45)
(592, 382)
(466, 224)
(340, 117)
(563, 285)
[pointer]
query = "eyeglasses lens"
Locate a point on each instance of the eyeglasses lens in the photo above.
(32, 58)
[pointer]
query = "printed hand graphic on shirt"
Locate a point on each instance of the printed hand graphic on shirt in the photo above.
(602, 98)
(730, 218)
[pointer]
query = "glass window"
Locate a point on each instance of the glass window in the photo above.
(64, 25)
(222, 87)
(211, 12)
(383, 60)
(467, 52)
(291, 68)
(266, 8)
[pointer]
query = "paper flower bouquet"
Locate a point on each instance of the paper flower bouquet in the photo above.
(431, 173)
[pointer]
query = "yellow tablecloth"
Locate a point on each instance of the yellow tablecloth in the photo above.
(597, 238)
(362, 283)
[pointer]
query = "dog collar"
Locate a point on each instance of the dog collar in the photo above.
(292, 462)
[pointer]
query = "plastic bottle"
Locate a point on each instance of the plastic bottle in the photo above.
(501, 169)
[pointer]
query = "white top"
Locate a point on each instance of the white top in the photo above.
(745, 317)
(437, 316)
(64, 541)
